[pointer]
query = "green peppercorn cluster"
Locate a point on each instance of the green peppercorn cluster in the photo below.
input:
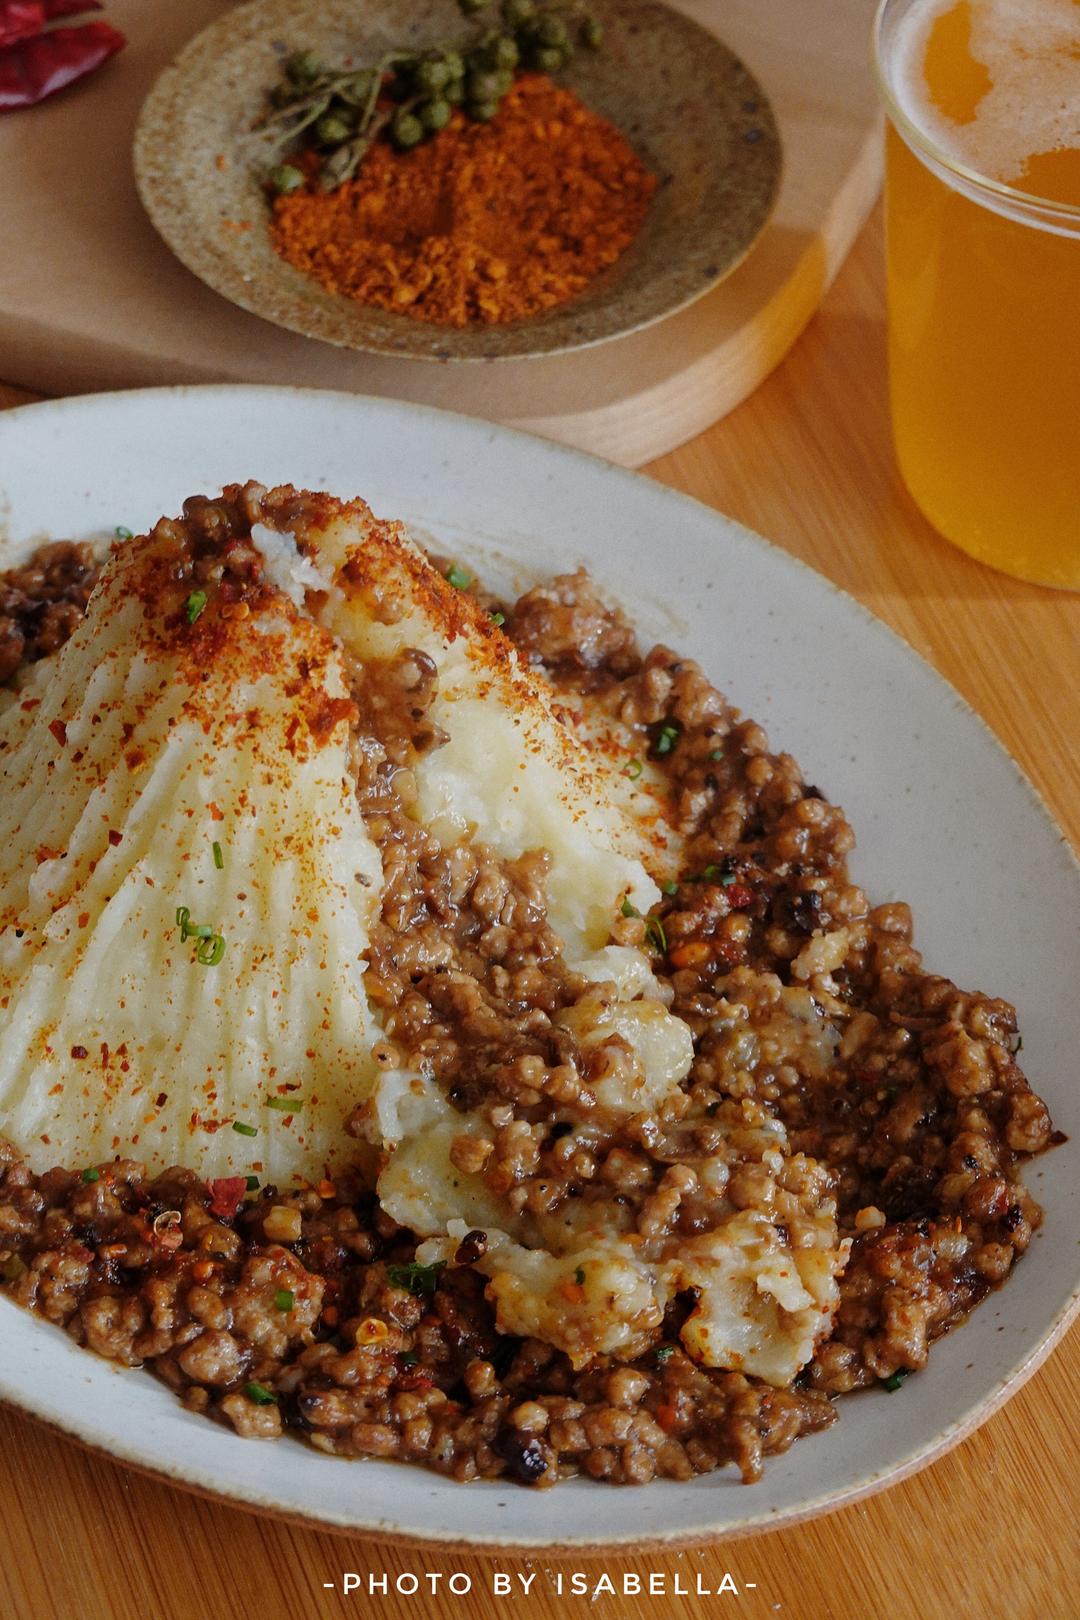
(412, 95)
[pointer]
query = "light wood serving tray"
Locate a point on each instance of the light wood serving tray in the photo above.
(90, 298)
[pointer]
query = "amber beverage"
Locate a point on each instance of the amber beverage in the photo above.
(983, 252)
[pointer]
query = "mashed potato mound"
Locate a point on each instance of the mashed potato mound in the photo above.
(144, 744)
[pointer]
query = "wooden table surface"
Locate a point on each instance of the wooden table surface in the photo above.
(989, 1530)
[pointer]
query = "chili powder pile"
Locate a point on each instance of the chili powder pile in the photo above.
(484, 224)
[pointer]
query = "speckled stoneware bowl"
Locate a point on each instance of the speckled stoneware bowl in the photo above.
(689, 107)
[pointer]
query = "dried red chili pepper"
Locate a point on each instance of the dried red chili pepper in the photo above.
(739, 897)
(23, 19)
(32, 69)
(20, 19)
(226, 1196)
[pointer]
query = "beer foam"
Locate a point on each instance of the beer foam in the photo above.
(1030, 50)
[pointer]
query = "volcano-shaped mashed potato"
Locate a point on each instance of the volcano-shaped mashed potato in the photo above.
(176, 788)
(301, 863)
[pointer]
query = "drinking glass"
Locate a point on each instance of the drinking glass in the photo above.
(984, 313)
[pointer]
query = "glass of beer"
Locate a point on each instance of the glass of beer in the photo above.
(983, 258)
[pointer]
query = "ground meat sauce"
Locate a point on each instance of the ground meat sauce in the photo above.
(304, 1309)
(42, 601)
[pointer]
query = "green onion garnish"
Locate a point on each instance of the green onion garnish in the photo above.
(717, 754)
(284, 1299)
(669, 736)
(458, 577)
(713, 874)
(219, 855)
(498, 619)
(633, 769)
(419, 1280)
(579, 1275)
(669, 887)
(252, 1183)
(664, 1352)
(194, 605)
(244, 1130)
(260, 1394)
(409, 1358)
(122, 533)
(629, 910)
(91, 1174)
(286, 1105)
(211, 946)
(893, 1383)
(654, 933)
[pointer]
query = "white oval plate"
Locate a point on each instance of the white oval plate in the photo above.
(943, 816)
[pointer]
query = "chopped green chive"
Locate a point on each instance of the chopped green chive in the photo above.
(211, 946)
(419, 1280)
(284, 1299)
(91, 1174)
(893, 1383)
(123, 534)
(285, 1105)
(211, 951)
(459, 578)
(633, 769)
(219, 855)
(664, 1352)
(654, 933)
(714, 874)
(409, 1358)
(498, 619)
(244, 1130)
(260, 1394)
(579, 1275)
(252, 1183)
(629, 910)
(717, 754)
(194, 605)
(665, 742)
(669, 887)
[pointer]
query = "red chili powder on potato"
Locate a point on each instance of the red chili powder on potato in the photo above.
(485, 223)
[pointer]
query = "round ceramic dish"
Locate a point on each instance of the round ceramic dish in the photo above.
(943, 818)
(688, 106)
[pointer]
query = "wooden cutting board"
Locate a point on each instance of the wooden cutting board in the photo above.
(90, 298)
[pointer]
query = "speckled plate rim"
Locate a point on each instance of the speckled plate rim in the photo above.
(207, 415)
(759, 1524)
(296, 303)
